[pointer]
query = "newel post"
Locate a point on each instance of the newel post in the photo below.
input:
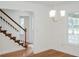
(25, 38)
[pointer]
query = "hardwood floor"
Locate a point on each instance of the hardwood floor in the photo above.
(20, 53)
(29, 53)
(52, 53)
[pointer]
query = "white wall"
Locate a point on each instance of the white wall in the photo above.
(46, 33)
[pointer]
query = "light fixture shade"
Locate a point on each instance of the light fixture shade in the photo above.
(62, 12)
(52, 13)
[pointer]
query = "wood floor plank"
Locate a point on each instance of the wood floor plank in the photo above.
(20, 53)
(52, 53)
(29, 53)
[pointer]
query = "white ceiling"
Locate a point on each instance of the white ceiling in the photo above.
(54, 3)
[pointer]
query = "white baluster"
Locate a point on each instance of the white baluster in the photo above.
(13, 32)
(7, 27)
(0, 22)
(10, 29)
(18, 36)
(4, 25)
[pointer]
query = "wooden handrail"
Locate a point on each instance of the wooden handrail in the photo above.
(11, 19)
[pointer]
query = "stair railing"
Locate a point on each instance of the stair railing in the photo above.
(13, 26)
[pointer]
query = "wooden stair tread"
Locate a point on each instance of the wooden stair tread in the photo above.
(21, 44)
(0, 27)
(3, 31)
(18, 41)
(9, 35)
(14, 38)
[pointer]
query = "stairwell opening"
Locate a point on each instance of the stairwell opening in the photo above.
(24, 19)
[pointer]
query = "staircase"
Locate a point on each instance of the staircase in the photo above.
(9, 35)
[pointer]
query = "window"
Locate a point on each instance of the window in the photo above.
(73, 30)
(22, 21)
(22, 24)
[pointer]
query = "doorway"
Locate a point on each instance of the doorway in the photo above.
(26, 22)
